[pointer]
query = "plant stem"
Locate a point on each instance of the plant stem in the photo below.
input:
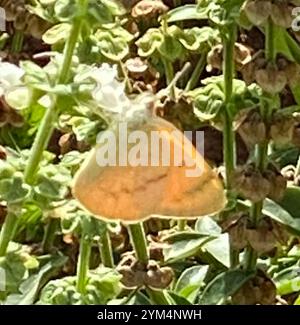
(106, 250)
(7, 232)
(169, 71)
(196, 73)
(270, 52)
(17, 41)
(229, 144)
(228, 132)
(40, 143)
(47, 125)
(49, 235)
(181, 224)
(83, 263)
(139, 242)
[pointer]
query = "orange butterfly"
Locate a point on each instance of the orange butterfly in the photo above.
(134, 193)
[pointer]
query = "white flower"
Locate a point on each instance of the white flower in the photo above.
(109, 92)
(10, 77)
(105, 74)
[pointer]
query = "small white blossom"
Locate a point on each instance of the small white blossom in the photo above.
(109, 92)
(10, 77)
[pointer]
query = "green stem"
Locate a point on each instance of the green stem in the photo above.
(270, 52)
(83, 263)
(47, 125)
(50, 234)
(196, 73)
(169, 71)
(139, 242)
(106, 250)
(229, 144)
(17, 41)
(228, 132)
(181, 224)
(40, 143)
(7, 232)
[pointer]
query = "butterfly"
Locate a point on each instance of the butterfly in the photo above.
(133, 192)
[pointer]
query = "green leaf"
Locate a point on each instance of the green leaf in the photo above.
(57, 33)
(291, 201)
(177, 299)
(183, 249)
(277, 213)
(219, 248)
(288, 286)
(30, 287)
(190, 282)
(185, 12)
(182, 235)
(223, 286)
(207, 226)
(13, 190)
(286, 45)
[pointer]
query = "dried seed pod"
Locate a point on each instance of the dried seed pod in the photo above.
(132, 270)
(16, 12)
(258, 290)
(253, 129)
(242, 56)
(248, 71)
(215, 58)
(280, 233)
(158, 278)
(129, 279)
(143, 76)
(250, 183)
(278, 184)
(281, 14)
(292, 72)
(148, 9)
(237, 233)
(271, 79)
(282, 128)
(257, 11)
(262, 239)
